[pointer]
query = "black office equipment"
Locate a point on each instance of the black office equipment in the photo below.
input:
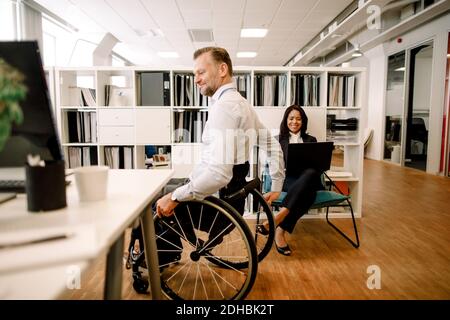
(37, 133)
(316, 155)
(154, 88)
(350, 124)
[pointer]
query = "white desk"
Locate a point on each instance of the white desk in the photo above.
(26, 271)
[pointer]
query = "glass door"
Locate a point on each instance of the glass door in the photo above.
(395, 91)
(418, 107)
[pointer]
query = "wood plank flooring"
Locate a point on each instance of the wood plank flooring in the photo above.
(405, 231)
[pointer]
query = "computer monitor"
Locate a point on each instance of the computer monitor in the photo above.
(37, 133)
(316, 155)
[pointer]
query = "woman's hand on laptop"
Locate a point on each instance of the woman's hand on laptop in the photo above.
(271, 196)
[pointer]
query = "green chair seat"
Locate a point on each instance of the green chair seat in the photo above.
(328, 198)
(324, 199)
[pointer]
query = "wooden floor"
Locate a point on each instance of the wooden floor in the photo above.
(404, 231)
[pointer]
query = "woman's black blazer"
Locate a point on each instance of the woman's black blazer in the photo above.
(284, 142)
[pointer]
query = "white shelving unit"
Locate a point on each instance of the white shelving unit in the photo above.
(127, 121)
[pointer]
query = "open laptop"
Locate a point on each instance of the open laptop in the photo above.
(37, 133)
(316, 155)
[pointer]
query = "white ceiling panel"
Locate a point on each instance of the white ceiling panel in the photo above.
(201, 19)
(108, 19)
(335, 5)
(291, 24)
(72, 14)
(262, 5)
(186, 5)
(134, 13)
(221, 6)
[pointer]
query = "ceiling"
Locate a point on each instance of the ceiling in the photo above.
(145, 27)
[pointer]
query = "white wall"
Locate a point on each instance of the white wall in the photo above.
(376, 63)
(7, 21)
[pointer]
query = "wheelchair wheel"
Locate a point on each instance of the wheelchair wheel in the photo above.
(198, 250)
(260, 213)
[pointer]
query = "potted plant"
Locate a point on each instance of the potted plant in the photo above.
(12, 90)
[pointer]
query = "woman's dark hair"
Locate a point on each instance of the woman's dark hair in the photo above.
(284, 130)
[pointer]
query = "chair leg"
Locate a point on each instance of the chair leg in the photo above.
(354, 244)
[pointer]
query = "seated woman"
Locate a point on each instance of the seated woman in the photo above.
(301, 189)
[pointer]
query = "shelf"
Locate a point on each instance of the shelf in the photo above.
(200, 108)
(68, 144)
(345, 144)
(116, 107)
(80, 108)
(151, 118)
(344, 108)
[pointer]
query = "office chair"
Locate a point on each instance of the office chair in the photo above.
(324, 199)
(419, 132)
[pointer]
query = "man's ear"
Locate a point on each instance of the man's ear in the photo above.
(223, 68)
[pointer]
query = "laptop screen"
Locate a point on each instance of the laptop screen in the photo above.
(37, 133)
(316, 155)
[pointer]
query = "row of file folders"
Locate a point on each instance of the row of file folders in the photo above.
(82, 126)
(187, 93)
(85, 97)
(189, 125)
(82, 156)
(270, 90)
(341, 91)
(120, 157)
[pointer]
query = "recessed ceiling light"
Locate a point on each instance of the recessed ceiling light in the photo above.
(448, 55)
(253, 33)
(246, 54)
(168, 54)
(400, 69)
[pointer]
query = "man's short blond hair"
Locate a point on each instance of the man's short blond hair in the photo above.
(218, 54)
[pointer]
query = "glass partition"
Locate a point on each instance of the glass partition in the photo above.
(394, 107)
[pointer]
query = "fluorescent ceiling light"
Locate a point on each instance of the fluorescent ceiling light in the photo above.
(168, 54)
(253, 33)
(246, 54)
(400, 69)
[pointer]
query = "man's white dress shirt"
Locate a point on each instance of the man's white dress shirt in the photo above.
(226, 141)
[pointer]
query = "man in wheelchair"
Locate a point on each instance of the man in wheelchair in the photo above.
(231, 131)
(226, 140)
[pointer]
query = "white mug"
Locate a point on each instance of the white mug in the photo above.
(92, 182)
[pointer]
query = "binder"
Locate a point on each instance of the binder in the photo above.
(155, 89)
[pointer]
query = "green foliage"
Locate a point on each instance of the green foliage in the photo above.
(12, 90)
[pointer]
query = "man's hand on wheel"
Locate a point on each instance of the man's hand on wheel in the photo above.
(165, 206)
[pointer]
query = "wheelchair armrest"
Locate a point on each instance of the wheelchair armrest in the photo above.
(242, 193)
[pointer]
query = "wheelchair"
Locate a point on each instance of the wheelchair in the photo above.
(207, 249)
